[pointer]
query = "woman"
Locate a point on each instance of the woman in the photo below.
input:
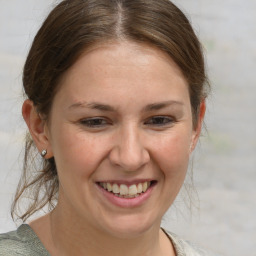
(115, 103)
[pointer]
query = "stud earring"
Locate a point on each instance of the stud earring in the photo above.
(43, 153)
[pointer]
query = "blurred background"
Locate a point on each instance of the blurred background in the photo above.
(224, 165)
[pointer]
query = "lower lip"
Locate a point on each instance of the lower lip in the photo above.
(126, 202)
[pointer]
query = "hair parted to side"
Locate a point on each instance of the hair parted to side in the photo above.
(72, 27)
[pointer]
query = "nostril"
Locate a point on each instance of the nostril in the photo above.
(129, 159)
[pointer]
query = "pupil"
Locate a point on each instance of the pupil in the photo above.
(158, 120)
(96, 122)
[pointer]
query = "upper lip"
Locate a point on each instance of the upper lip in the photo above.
(126, 182)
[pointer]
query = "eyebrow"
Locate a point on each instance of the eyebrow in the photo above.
(108, 108)
(93, 105)
(161, 105)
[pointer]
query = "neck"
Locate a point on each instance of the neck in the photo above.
(73, 237)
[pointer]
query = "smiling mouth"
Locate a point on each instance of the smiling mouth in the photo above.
(125, 191)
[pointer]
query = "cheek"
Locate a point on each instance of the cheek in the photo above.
(76, 152)
(172, 154)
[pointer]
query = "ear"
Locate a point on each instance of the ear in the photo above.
(37, 127)
(198, 128)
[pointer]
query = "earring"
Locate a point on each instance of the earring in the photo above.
(43, 153)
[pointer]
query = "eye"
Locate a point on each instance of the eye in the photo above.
(160, 121)
(95, 122)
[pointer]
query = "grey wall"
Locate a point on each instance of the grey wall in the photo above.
(224, 163)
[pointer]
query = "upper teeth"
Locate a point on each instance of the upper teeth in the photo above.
(124, 190)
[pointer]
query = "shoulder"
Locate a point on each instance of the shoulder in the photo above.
(22, 241)
(185, 248)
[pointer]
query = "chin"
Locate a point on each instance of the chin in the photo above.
(128, 227)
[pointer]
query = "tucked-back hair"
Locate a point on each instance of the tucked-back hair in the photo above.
(72, 27)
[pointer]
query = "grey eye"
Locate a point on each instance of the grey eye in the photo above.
(159, 120)
(94, 122)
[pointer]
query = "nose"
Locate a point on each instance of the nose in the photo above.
(129, 152)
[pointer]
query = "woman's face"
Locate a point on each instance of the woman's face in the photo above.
(121, 133)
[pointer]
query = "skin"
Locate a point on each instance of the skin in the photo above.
(128, 142)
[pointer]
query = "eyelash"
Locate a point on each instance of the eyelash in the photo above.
(98, 122)
(166, 120)
(93, 122)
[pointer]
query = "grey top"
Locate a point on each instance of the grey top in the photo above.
(21, 242)
(24, 242)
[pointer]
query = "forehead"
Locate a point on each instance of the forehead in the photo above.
(124, 56)
(122, 68)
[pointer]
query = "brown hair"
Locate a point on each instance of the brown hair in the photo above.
(72, 27)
